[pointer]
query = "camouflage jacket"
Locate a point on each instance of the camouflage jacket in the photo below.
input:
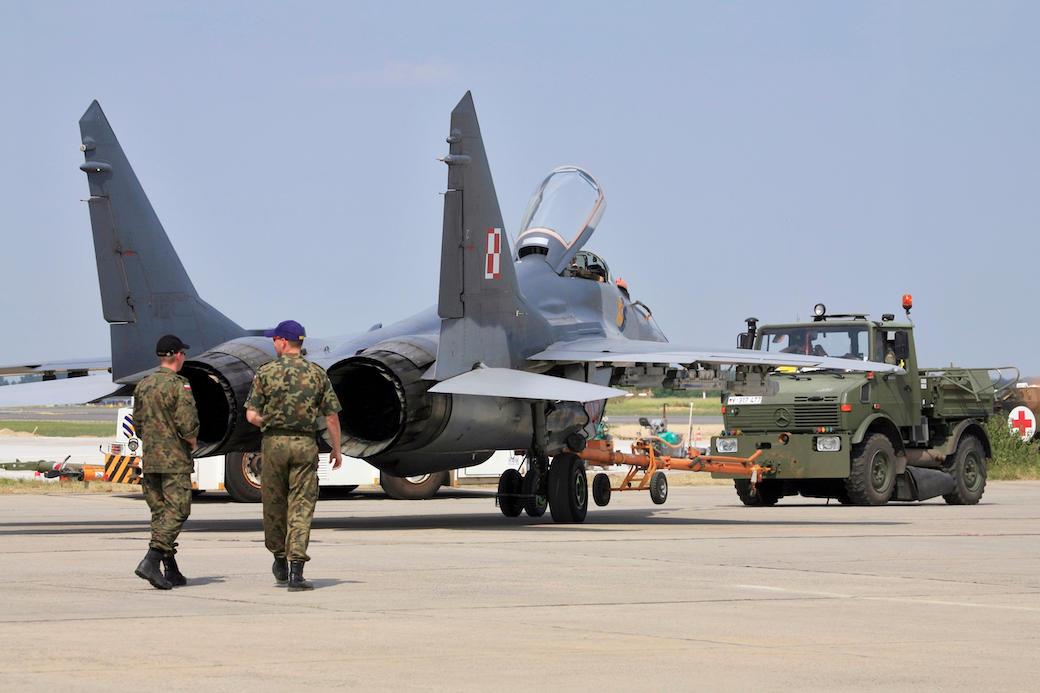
(291, 393)
(165, 417)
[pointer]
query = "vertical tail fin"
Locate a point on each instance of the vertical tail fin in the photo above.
(145, 290)
(483, 313)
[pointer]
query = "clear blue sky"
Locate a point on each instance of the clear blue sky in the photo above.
(757, 157)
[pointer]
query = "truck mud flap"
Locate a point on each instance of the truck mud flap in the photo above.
(919, 483)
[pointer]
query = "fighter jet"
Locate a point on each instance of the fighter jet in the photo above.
(521, 351)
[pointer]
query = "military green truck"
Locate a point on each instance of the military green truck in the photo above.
(861, 438)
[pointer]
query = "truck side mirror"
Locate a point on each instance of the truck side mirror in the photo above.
(902, 346)
(743, 340)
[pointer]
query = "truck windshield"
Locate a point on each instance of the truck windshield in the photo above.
(844, 341)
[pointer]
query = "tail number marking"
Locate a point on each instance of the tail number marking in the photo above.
(493, 263)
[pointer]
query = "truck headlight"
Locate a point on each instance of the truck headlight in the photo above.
(727, 445)
(828, 443)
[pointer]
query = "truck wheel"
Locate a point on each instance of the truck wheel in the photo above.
(412, 487)
(968, 470)
(872, 474)
(767, 493)
(242, 476)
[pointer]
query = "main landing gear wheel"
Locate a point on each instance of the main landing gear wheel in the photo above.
(510, 486)
(568, 489)
(536, 502)
(242, 476)
(658, 487)
(601, 489)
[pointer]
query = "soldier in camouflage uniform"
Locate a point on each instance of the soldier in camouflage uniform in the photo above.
(288, 398)
(166, 421)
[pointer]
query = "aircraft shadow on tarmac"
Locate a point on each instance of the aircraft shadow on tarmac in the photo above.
(597, 521)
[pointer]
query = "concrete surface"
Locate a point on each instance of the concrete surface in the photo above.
(447, 594)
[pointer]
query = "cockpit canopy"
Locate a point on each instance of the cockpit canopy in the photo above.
(561, 217)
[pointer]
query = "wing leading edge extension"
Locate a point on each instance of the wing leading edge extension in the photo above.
(640, 351)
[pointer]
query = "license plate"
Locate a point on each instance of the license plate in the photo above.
(745, 399)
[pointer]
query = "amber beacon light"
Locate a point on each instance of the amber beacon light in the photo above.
(908, 303)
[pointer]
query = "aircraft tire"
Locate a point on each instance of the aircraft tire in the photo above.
(242, 476)
(658, 487)
(536, 505)
(412, 487)
(601, 489)
(568, 489)
(765, 494)
(510, 485)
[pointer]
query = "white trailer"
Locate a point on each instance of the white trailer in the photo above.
(239, 473)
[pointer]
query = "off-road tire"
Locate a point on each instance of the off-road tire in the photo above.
(403, 488)
(766, 494)
(967, 466)
(872, 472)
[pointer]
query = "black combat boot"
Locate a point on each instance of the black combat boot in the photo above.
(173, 573)
(280, 568)
(148, 569)
(296, 581)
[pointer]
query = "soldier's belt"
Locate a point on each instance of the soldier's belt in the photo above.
(288, 432)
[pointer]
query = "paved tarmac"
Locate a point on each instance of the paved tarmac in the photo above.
(447, 594)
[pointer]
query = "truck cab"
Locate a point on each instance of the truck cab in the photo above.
(860, 437)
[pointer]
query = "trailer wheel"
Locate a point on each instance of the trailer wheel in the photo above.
(767, 493)
(412, 487)
(510, 485)
(872, 474)
(601, 489)
(658, 487)
(242, 476)
(568, 489)
(968, 470)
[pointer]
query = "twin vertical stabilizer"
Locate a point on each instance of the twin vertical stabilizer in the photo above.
(145, 290)
(483, 314)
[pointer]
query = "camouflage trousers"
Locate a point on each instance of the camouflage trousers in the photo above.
(169, 498)
(289, 490)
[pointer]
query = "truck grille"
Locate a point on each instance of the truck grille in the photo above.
(773, 417)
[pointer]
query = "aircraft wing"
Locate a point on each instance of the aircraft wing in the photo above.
(83, 390)
(506, 382)
(606, 350)
(71, 366)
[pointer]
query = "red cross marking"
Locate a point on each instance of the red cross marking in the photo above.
(1023, 423)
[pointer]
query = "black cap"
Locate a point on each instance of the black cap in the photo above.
(169, 344)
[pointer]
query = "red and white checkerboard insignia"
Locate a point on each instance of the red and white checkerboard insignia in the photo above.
(493, 264)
